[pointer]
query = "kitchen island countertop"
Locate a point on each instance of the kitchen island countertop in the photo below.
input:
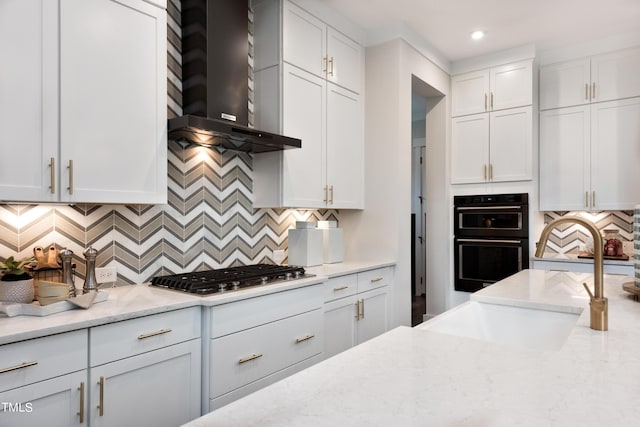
(416, 377)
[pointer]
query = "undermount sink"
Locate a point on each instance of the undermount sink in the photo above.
(513, 326)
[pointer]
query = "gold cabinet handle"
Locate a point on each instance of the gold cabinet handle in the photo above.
(331, 194)
(377, 279)
(485, 102)
(340, 288)
(20, 366)
(153, 334)
(586, 91)
(358, 310)
(81, 411)
(326, 194)
(331, 62)
(250, 358)
(586, 199)
(484, 172)
(101, 404)
(593, 90)
(70, 168)
(52, 172)
(325, 61)
(490, 172)
(492, 100)
(303, 339)
(593, 199)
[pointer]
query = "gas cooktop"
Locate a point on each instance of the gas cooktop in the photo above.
(229, 279)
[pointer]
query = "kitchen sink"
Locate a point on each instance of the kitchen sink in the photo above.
(513, 326)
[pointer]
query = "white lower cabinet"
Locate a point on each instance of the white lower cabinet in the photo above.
(43, 381)
(257, 341)
(355, 309)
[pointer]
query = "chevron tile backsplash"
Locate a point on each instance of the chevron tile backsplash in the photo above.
(208, 222)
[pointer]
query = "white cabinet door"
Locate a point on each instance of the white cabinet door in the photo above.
(565, 159)
(340, 325)
(28, 99)
(345, 61)
(373, 316)
(470, 93)
(158, 388)
(615, 75)
(345, 145)
(304, 40)
(615, 154)
(56, 402)
(511, 85)
(565, 84)
(470, 149)
(304, 115)
(511, 145)
(113, 101)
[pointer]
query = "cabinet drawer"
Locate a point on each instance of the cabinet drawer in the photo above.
(244, 357)
(240, 315)
(130, 337)
(342, 286)
(26, 362)
(373, 279)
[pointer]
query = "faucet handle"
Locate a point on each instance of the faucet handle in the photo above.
(588, 291)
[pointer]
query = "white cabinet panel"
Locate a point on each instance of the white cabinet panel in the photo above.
(565, 84)
(470, 93)
(340, 325)
(56, 402)
(345, 59)
(373, 320)
(470, 149)
(345, 148)
(615, 154)
(511, 145)
(615, 75)
(511, 85)
(564, 159)
(304, 40)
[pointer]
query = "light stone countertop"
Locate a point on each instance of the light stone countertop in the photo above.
(574, 258)
(347, 267)
(414, 377)
(127, 302)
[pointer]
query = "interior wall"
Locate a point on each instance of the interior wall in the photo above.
(383, 229)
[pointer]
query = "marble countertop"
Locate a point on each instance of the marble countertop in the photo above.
(416, 377)
(128, 302)
(350, 267)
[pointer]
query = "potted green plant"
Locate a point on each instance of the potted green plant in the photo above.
(16, 284)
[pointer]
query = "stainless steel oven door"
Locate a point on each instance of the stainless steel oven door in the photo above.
(482, 262)
(494, 221)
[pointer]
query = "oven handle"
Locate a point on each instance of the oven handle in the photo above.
(477, 208)
(489, 241)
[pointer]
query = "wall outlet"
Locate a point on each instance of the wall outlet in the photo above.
(278, 256)
(106, 274)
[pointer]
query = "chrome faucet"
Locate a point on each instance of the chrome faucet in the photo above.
(598, 303)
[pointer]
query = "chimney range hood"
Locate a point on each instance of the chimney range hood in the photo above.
(215, 80)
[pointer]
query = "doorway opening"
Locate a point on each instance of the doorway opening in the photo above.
(423, 99)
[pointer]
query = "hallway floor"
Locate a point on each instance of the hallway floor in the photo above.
(418, 309)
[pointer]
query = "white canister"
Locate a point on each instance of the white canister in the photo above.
(332, 242)
(305, 247)
(636, 245)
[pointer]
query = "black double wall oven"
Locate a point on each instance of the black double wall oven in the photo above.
(491, 238)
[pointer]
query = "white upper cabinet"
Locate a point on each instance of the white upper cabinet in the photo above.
(90, 115)
(320, 49)
(605, 77)
(497, 88)
(470, 149)
(589, 156)
(310, 91)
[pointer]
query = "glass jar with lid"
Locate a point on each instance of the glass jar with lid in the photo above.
(612, 242)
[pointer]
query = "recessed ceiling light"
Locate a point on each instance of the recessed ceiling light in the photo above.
(477, 35)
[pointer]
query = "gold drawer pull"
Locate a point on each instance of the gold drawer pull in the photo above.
(307, 338)
(101, 404)
(81, 411)
(153, 334)
(248, 359)
(340, 288)
(377, 279)
(20, 366)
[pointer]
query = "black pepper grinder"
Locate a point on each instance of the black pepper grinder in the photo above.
(67, 271)
(90, 282)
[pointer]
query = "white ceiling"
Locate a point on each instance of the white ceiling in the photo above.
(447, 24)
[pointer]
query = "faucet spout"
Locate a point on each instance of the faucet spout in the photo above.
(598, 303)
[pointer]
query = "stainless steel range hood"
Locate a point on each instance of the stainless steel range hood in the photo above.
(215, 80)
